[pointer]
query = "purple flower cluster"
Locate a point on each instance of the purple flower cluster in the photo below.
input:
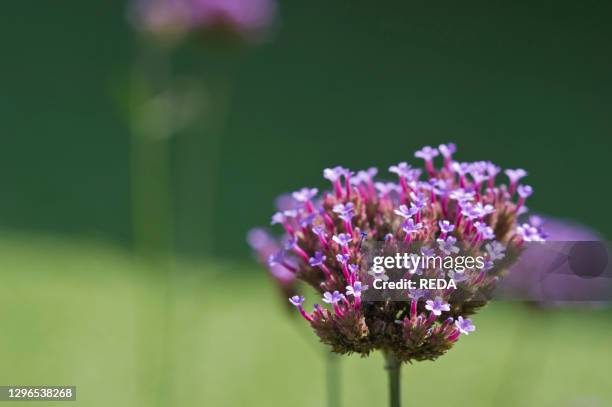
(439, 209)
(245, 18)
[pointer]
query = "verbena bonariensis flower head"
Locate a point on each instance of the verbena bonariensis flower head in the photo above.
(437, 210)
(248, 19)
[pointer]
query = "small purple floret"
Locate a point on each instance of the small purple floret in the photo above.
(332, 298)
(406, 212)
(447, 150)
(437, 306)
(342, 239)
(356, 289)
(305, 194)
(402, 169)
(317, 259)
(297, 300)
(464, 326)
(446, 226)
(409, 226)
(524, 191)
(515, 175)
(427, 153)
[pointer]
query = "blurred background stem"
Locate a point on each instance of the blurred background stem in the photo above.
(152, 218)
(153, 226)
(199, 161)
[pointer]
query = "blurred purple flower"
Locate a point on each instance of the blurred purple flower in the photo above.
(248, 19)
(541, 277)
(267, 248)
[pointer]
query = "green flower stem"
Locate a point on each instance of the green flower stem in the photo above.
(393, 366)
(332, 362)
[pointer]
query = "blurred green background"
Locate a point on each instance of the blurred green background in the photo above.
(523, 84)
(348, 83)
(76, 313)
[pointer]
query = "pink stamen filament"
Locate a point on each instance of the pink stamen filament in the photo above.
(325, 270)
(338, 310)
(323, 240)
(288, 228)
(347, 183)
(363, 192)
(430, 168)
(346, 301)
(304, 314)
(480, 277)
(288, 266)
(512, 188)
(328, 221)
(447, 162)
(338, 188)
(309, 207)
(348, 227)
(432, 318)
(413, 308)
(458, 220)
(444, 205)
(403, 184)
(371, 189)
(454, 336)
(301, 252)
(345, 272)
